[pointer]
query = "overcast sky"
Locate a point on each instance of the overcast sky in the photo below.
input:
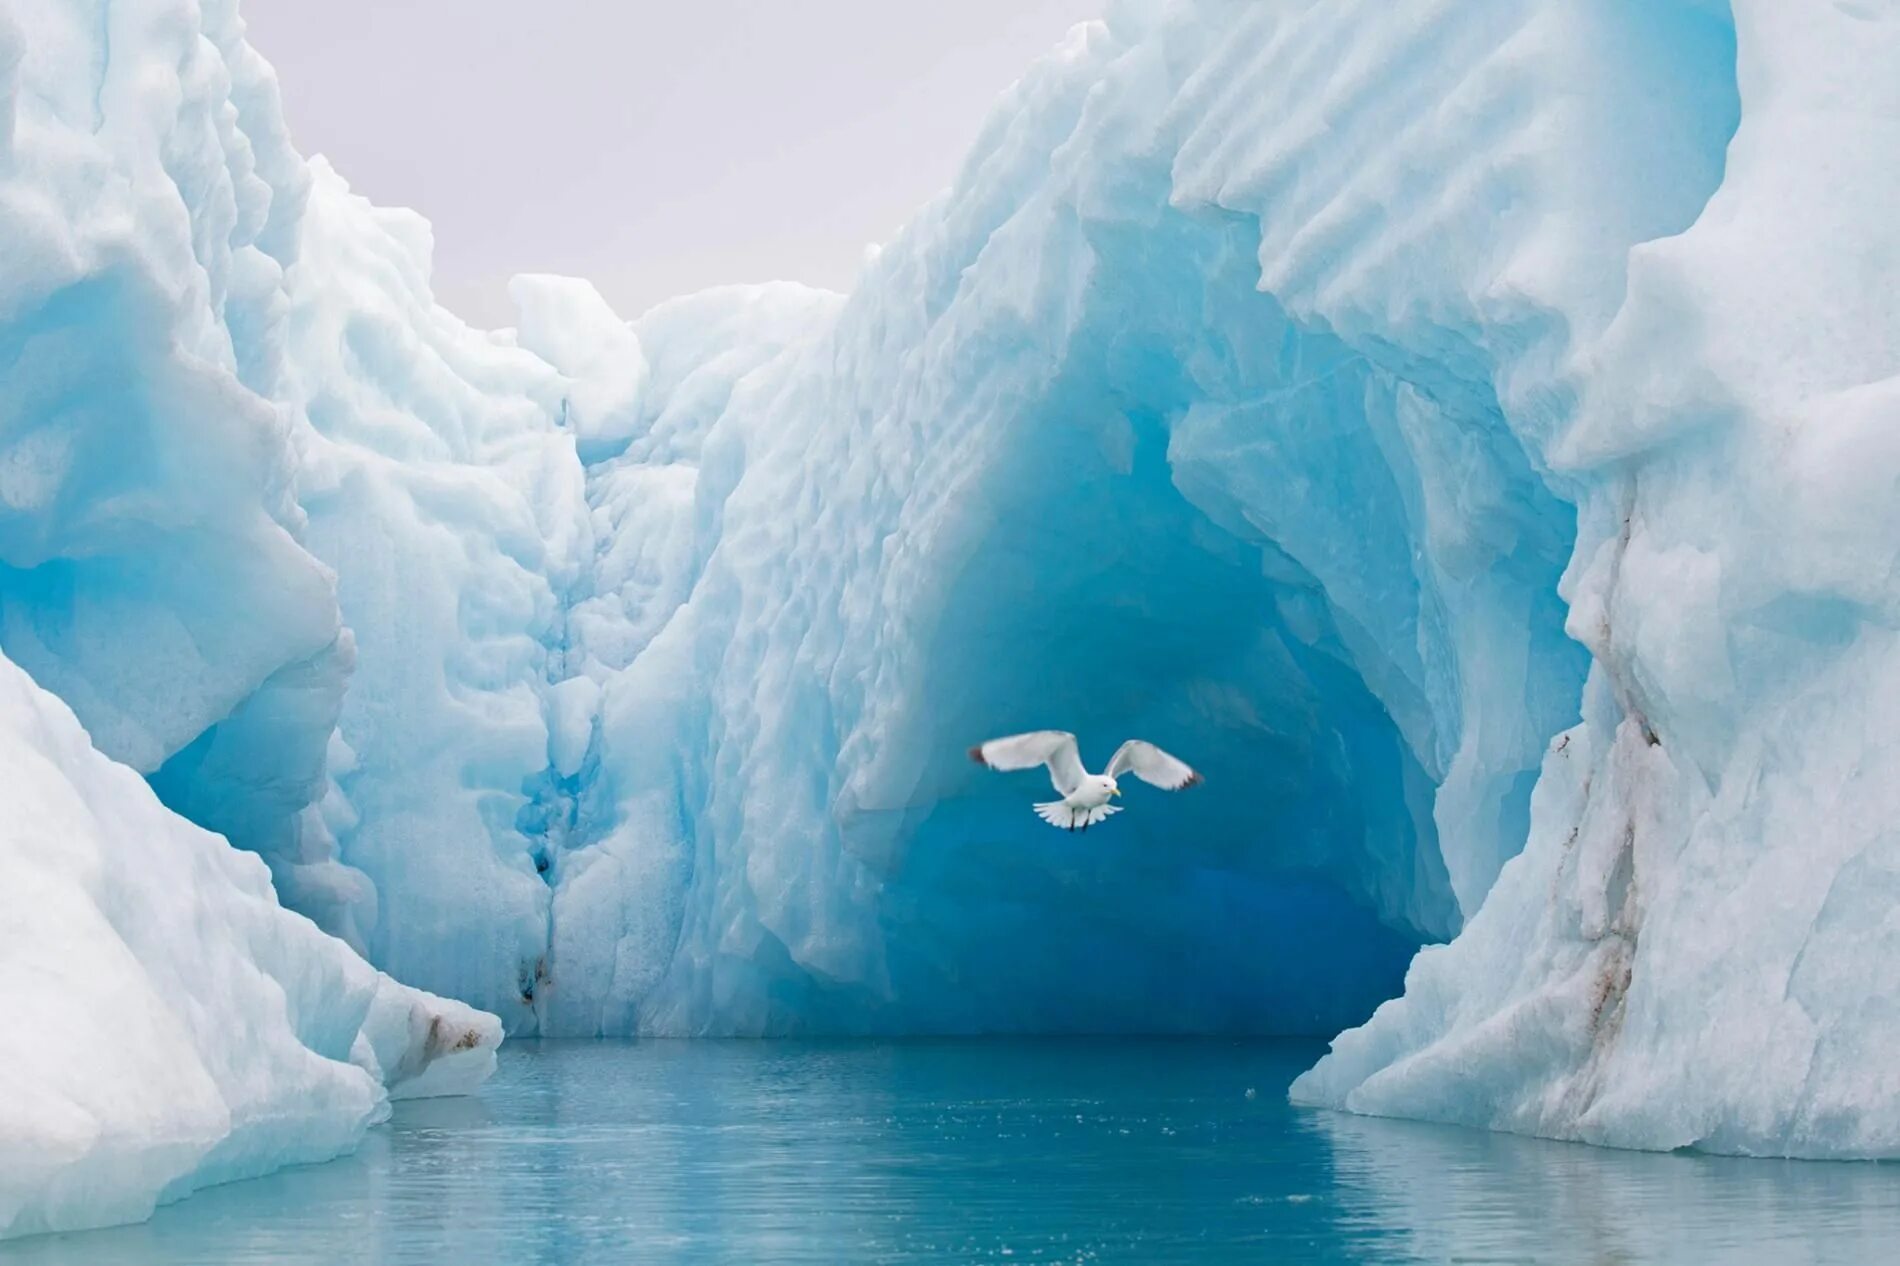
(653, 148)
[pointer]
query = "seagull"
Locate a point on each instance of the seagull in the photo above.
(1085, 796)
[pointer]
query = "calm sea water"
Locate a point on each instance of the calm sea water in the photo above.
(1115, 1151)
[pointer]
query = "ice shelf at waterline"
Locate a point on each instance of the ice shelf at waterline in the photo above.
(1463, 425)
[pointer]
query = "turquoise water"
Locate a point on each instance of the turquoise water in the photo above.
(1118, 1151)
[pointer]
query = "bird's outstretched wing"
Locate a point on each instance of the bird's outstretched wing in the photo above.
(1150, 764)
(1054, 748)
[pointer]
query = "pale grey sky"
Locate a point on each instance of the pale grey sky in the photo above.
(654, 148)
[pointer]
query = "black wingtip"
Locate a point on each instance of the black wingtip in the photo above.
(1193, 780)
(976, 754)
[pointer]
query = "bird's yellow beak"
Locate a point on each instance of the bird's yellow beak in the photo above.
(1114, 791)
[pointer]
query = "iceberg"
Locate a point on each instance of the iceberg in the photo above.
(150, 572)
(169, 1024)
(290, 539)
(1467, 418)
(1688, 952)
(1456, 427)
(1322, 553)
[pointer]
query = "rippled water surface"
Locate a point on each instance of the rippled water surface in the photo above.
(1112, 1151)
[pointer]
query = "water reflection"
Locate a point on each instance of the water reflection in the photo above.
(1444, 1194)
(1120, 1151)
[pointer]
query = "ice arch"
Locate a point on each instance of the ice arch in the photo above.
(1157, 382)
(1133, 558)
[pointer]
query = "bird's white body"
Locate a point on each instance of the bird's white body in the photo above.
(1085, 806)
(1085, 796)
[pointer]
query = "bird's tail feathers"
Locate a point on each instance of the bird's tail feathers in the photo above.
(1058, 813)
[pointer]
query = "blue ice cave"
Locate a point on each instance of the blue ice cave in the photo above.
(1386, 406)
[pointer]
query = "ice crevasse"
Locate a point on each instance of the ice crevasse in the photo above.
(1458, 427)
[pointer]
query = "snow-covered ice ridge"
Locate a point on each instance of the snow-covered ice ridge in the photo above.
(1455, 424)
